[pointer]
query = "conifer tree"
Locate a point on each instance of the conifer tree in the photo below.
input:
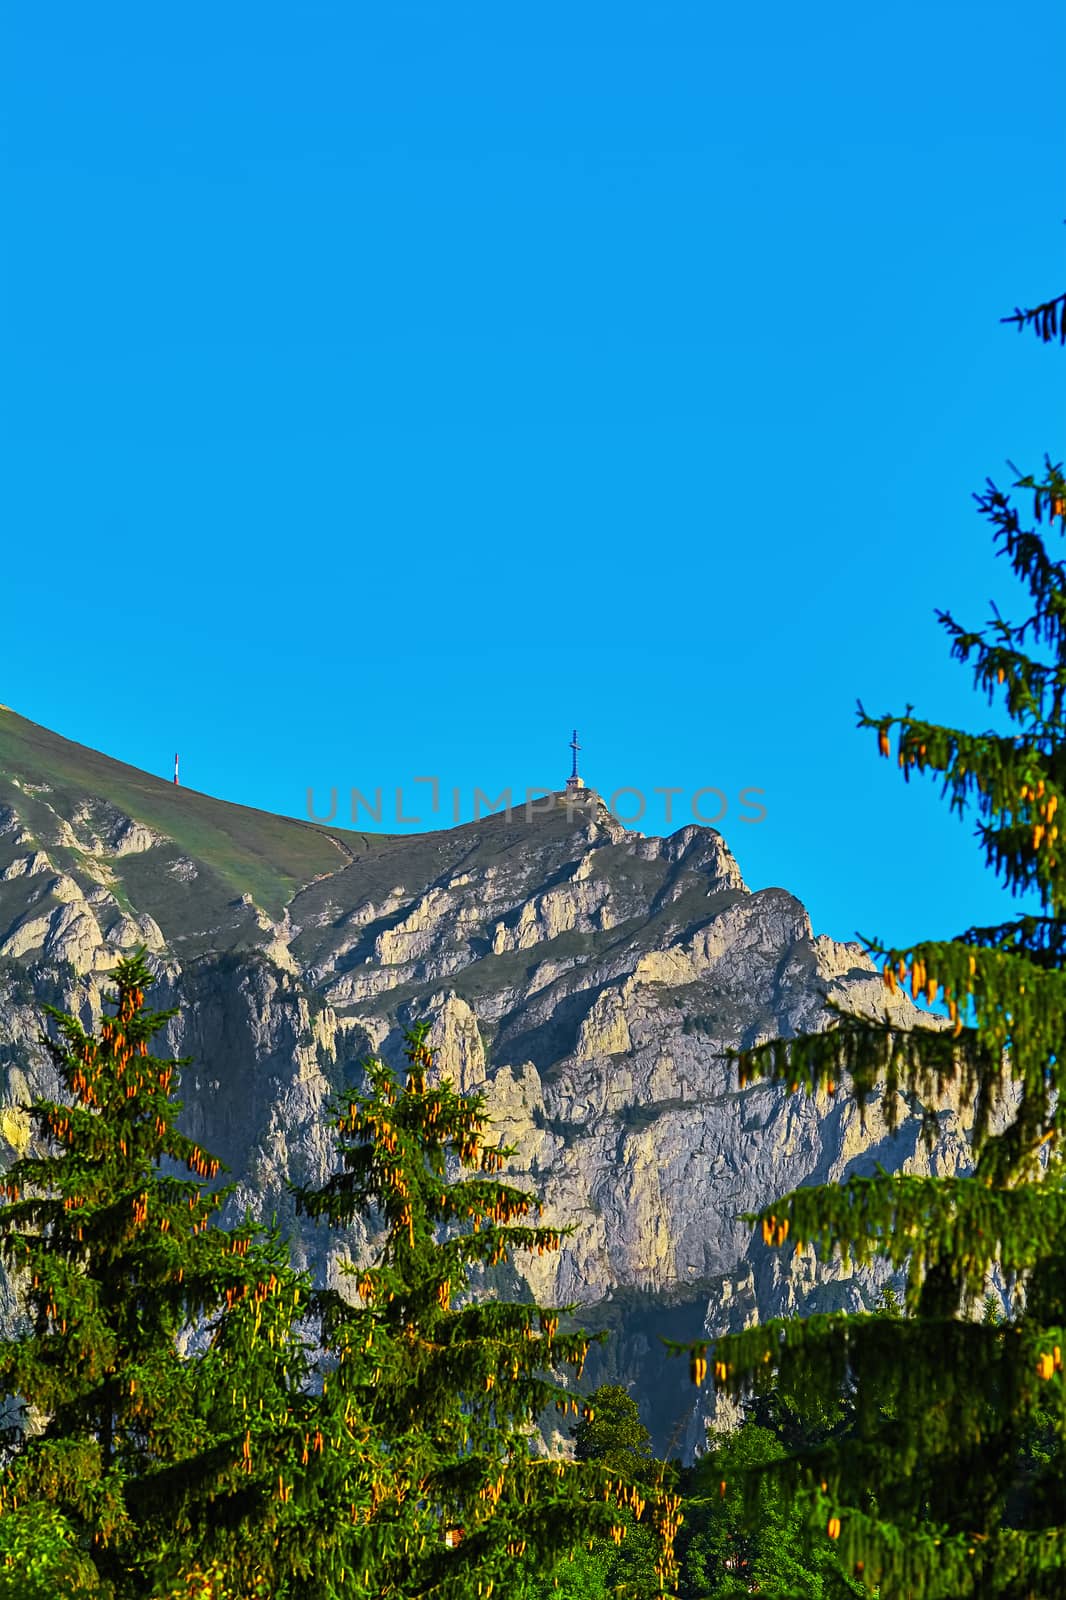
(452, 1384)
(616, 1438)
(144, 1453)
(923, 1495)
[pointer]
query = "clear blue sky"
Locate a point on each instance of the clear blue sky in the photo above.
(390, 388)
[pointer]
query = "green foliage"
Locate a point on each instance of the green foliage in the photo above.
(614, 1434)
(625, 1568)
(173, 1437)
(124, 1438)
(585, 1574)
(719, 1554)
(453, 1384)
(39, 1556)
(945, 1478)
(890, 1302)
(724, 1552)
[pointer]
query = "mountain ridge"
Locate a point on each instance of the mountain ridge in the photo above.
(586, 978)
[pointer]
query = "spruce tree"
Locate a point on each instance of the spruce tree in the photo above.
(950, 1481)
(616, 1438)
(451, 1383)
(140, 1451)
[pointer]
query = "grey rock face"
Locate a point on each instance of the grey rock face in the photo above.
(585, 978)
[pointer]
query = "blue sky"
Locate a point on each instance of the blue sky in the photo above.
(389, 389)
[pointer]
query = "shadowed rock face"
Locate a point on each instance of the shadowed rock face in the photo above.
(585, 978)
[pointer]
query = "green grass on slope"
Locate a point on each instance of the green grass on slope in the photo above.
(257, 853)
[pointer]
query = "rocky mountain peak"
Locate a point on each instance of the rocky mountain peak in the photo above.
(586, 978)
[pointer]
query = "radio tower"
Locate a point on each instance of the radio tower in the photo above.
(175, 766)
(573, 781)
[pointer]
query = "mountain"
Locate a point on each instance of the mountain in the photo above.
(585, 977)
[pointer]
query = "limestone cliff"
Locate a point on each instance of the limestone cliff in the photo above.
(587, 978)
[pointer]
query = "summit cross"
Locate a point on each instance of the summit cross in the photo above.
(574, 782)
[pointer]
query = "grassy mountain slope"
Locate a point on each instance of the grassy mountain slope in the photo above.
(251, 852)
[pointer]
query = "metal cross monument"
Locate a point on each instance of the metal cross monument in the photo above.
(574, 782)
